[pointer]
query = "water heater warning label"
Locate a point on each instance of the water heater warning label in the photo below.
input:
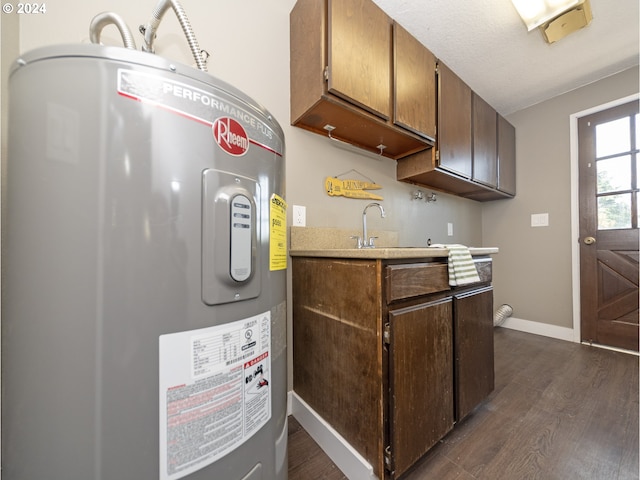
(214, 392)
(277, 233)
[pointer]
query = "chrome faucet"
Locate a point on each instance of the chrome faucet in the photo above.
(365, 241)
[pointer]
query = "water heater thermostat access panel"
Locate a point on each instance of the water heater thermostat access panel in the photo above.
(230, 233)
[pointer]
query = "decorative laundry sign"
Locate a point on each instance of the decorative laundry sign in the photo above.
(351, 188)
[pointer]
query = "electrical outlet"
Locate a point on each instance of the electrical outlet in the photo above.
(450, 229)
(299, 216)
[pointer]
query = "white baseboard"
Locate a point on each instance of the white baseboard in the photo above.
(348, 460)
(553, 331)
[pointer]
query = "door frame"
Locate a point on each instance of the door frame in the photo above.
(575, 209)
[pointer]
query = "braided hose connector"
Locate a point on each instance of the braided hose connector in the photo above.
(109, 18)
(150, 28)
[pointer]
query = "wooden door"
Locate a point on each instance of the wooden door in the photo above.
(414, 106)
(454, 123)
(421, 380)
(359, 54)
(609, 176)
(473, 349)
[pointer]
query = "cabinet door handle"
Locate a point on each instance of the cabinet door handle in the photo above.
(589, 240)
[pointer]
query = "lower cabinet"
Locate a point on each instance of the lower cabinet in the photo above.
(473, 348)
(421, 409)
(388, 354)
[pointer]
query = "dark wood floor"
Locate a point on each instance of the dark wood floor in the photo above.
(560, 410)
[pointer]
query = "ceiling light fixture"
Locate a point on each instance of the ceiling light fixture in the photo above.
(556, 18)
(536, 12)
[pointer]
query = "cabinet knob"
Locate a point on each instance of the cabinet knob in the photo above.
(589, 241)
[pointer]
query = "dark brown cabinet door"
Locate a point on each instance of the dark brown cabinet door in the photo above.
(414, 85)
(359, 51)
(473, 348)
(454, 123)
(506, 156)
(421, 380)
(485, 154)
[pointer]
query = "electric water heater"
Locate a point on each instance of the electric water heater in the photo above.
(144, 303)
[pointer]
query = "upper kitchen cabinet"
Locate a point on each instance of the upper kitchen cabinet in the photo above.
(506, 156)
(494, 153)
(485, 149)
(474, 155)
(454, 122)
(359, 54)
(448, 166)
(414, 84)
(342, 67)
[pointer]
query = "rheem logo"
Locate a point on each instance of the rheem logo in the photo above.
(231, 136)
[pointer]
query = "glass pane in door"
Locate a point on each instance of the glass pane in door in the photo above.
(614, 211)
(614, 174)
(613, 137)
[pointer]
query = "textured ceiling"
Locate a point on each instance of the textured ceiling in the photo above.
(489, 47)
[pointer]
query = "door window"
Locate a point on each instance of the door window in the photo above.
(617, 173)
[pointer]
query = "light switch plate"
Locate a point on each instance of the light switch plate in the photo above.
(450, 229)
(299, 216)
(539, 219)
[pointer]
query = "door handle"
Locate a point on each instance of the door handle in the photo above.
(589, 241)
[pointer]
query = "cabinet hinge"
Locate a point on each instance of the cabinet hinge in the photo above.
(387, 458)
(437, 155)
(386, 334)
(326, 73)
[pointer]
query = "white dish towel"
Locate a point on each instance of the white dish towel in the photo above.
(462, 269)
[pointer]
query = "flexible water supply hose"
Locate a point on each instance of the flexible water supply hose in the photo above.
(149, 30)
(502, 314)
(108, 18)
